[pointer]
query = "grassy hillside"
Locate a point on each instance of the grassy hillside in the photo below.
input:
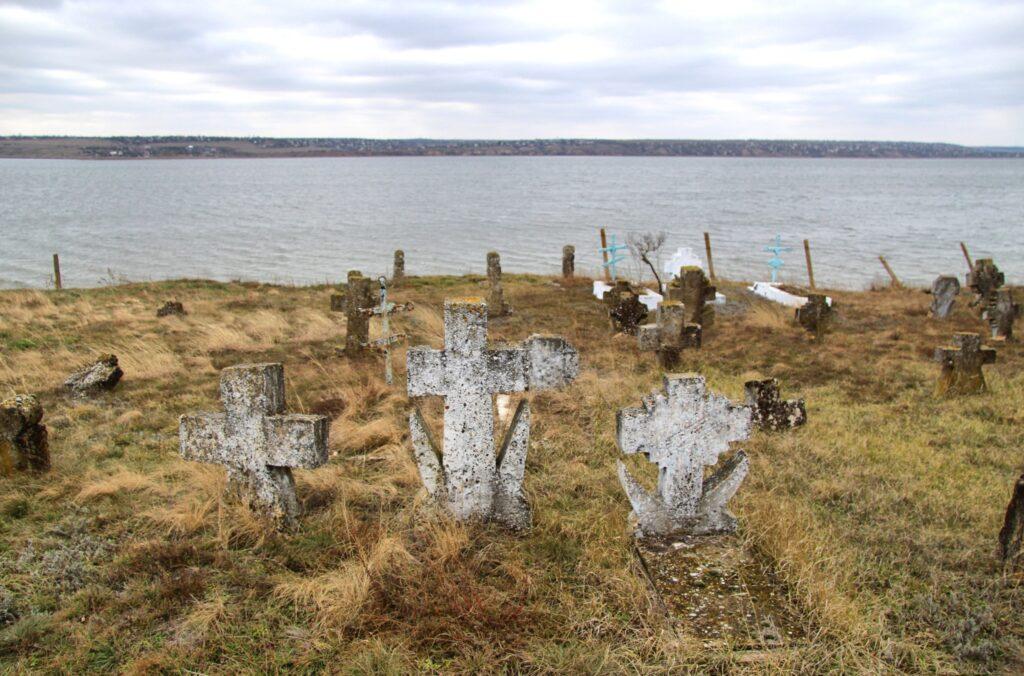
(879, 517)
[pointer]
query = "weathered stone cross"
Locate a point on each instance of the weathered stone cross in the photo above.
(961, 364)
(770, 411)
(670, 335)
(624, 307)
(693, 289)
(682, 431)
(468, 476)
(255, 441)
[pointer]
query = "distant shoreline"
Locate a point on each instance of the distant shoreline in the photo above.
(207, 147)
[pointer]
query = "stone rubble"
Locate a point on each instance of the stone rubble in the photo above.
(171, 307)
(256, 442)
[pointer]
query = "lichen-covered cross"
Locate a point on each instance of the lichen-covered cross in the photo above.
(770, 411)
(670, 335)
(468, 476)
(683, 430)
(961, 364)
(255, 441)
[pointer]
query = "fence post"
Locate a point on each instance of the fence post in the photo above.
(604, 255)
(810, 268)
(711, 263)
(56, 272)
(885, 264)
(970, 264)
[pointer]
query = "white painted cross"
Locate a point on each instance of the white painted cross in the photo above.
(682, 431)
(469, 477)
(255, 441)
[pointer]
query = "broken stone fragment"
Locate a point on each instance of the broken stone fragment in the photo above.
(961, 365)
(1001, 312)
(983, 279)
(769, 410)
(103, 374)
(945, 289)
(24, 441)
(496, 305)
(171, 307)
(815, 315)
(1012, 534)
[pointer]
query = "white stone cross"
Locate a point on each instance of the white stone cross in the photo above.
(468, 476)
(682, 431)
(255, 441)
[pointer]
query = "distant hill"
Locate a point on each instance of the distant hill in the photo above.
(142, 147)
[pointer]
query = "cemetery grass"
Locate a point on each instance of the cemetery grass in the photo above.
(879, 517)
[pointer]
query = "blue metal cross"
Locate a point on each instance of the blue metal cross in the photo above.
(614, 258)
(776, 261)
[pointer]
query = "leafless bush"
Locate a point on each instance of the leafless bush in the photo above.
(644, 246)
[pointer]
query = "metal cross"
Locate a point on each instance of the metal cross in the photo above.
(776, 261)
(384, 343)
(614, 259)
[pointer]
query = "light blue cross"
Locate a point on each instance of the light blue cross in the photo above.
(776, 262)
(614, 257)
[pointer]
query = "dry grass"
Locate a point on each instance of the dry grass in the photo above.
(879, 517)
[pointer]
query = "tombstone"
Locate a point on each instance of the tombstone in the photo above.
(769, 411)
(683, 430)
(398, 268)
(1011, 535)
(465, 474)
(256, 441)
(1001, 312)
(694, 290)
(945, 289)
(357, 302)
(815, 315)
(568, 261)
(961, 364)
(171, 307)
(103, 374)
(24, 442)
(670, 335)
(983, 279)
(496, 298)
(625, 310)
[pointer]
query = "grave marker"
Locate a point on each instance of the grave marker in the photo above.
(945, 289)
(465, 474)
(670, 335)
(387, 339)
(568, 261)
(625, 310)
(398, 267)
(356, 301)
(24, 443)
(496, 299)
(769, 411)
(692, 287)
(612, 257)
(961, 364)
(1001, 313)
(683, 430)
(775, 262)
(256, 441)
(815, 315)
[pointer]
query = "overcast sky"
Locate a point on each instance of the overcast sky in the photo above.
(905, 70)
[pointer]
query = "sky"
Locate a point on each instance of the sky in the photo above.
(912, 70)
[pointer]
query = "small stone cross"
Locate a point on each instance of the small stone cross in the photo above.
(670, 335)
(683, 430)
(961, 364)
(496, 299)
(624, 307)
(815, 315)
(984, 278)
(770, 411)
(692, 287)
(255, 441)
(466, 474)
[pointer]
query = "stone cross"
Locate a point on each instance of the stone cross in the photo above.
(357, 304)
(984, 278)
(24, 442)
(496, 299)
(945, 289)
(815, 315)
(624, 307)
(568, 261)
(769, 410)
(961, 364)
(398, 267)
(670, 335)
(466, 475)
(683, 430)
(1000, 313)
(692, 288)
(255, 441)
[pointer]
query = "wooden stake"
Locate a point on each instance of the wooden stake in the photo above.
(885, 264)
(604, 255)
(810, 268)
(707, 248)
(970, 264)
(56, 272)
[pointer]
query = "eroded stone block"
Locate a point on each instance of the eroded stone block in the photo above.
(496, 305)
(171, 307)
(1011, 536)
(24, 443)
(398, 267)
(568, 261)
(357, 302)
(103, 374)
(1001, 313)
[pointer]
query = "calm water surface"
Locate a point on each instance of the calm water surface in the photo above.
(310, 220)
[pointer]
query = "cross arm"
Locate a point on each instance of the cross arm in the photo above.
(296, 440)
(631, 429)
(201, 437)
(426, 369)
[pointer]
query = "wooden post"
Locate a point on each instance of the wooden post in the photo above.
(885, 264)
(810, 268)
(707, 249)
(604, 255)
(56, 272)
(970, 264)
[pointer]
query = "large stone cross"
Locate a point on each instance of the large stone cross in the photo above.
(684, 430)
(468, 475)
(670, 335)
(961, 364)
(255, 440)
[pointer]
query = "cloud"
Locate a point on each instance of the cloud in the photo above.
(910, 69)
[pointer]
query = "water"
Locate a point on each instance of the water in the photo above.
(310, 220)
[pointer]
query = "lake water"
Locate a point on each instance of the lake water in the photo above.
(310, 220)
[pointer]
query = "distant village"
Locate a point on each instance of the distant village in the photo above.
(138, 147)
